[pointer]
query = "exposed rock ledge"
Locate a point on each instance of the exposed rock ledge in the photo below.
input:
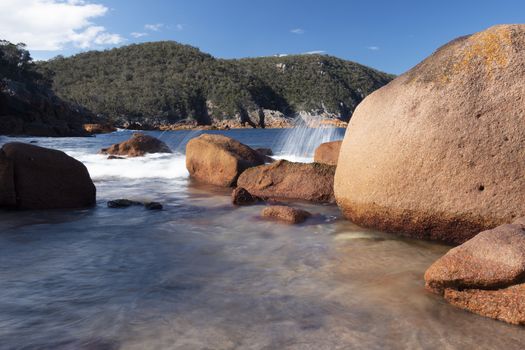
(485, 275)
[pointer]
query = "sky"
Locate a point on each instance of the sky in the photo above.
(391, 36)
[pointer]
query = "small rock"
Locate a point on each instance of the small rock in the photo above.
(122, 203)
(115, 157)
(153, 206)
(286, 214)
(137, 146)
(99, 128)
(328, 152)
(125, 203)
(240, 196)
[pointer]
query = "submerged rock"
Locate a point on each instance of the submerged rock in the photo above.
(219, 160)
(125, 203)
(33, 177)
(505, 304)
(122, 203)
(485, 274)
(137, 146)
(328, 152)
(153, 206)
(288, 180)
(437, 153)
(240, 196)
(286, 214)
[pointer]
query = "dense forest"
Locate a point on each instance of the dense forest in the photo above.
(28, 106)
(165, 82)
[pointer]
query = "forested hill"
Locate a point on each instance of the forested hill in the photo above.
(164, 82)
(28, 106)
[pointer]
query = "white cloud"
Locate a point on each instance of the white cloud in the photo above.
(154, 27)
(297, 31)
(373, 48)
(316, 52)
(138, 34)
(180, 26)
(54, 24)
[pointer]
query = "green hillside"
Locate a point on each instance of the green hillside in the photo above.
(164, 82)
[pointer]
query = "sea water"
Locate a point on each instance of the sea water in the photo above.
(203, 274)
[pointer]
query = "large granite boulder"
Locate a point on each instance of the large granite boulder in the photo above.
(33, 177)
(137, 146)
(287, 180)
(485, 275)
(328, 152)
(219, 160)
(438, 152)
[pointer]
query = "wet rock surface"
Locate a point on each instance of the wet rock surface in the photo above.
(289, 180)
(240, 196)
(485, 275)
(285, 214)
(126, 203)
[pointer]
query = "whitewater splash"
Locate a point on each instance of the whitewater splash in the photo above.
(299, 143)
(164, 165)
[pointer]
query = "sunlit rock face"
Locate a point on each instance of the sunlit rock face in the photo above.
(219, 160)
(439, 152)
(485, 274)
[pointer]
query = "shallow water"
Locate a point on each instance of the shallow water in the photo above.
(202, 274)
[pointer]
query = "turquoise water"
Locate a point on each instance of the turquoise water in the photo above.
(202, 274)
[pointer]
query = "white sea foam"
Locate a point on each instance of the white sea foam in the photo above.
(167, 166)
(294, 158)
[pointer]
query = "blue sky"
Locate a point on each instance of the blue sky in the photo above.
(388, 35)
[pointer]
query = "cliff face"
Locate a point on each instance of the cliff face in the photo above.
(28, 106)
(163, 83)
(37, 111)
